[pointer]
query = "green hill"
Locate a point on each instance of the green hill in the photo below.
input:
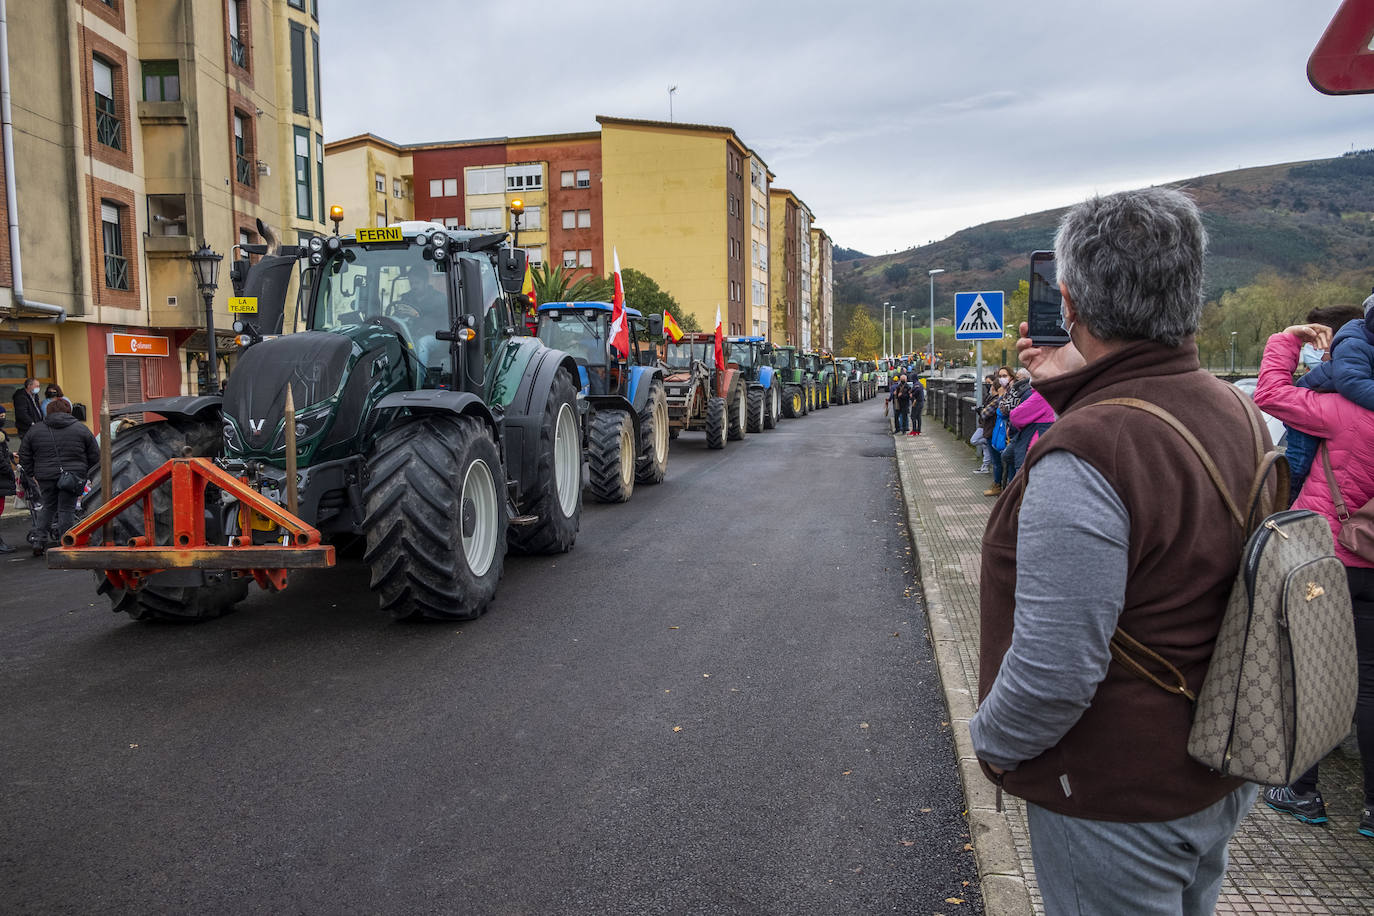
(1298, 222)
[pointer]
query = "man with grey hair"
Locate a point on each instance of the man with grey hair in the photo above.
(1115, 527)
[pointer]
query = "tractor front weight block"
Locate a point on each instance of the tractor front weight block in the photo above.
(127, 567)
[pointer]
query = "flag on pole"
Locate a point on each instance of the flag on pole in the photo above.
(670, 327)
(527, 289)
(720, 343)
(620, 328)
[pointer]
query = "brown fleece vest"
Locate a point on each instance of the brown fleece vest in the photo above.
(1126, 758)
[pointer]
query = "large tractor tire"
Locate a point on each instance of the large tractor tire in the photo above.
(557, 500)
(772, 406)
(651, 464)
(757, 411)
(136, 453)
(436, 519)
(716, 420)
(793, 402)
(739, 413)
(823, 395)
(854, 393)
(611, 456)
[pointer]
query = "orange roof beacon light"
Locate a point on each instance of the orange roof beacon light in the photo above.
(517, 207)
(336, 214)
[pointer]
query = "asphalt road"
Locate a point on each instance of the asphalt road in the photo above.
(721, 701)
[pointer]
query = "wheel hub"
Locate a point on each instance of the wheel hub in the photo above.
(469, 517)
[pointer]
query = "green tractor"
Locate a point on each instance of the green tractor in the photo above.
(798, 388)
(424, 424)
(822, 374)
(868, 376)
(848, 378)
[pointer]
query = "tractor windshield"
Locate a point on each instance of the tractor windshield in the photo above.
(582, 338)
(681, 354)
(743, 354)
(782, 359)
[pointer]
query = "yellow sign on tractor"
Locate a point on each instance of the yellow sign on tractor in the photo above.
(379, 234)
(243, 305)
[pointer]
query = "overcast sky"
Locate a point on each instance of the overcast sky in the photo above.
(897, 121)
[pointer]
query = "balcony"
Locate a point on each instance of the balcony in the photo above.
(116, 272)
(245, 169)
(109, 130)
(238, 53)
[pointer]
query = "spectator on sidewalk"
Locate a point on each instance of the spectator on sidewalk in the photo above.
(1087, 540)
(1353, 376)
(1007, 399)
(1346, 460)
(1020, 390)
(28, 409)
(918, 404)
(900, 396)
(8, 479)
(982, 433)
(1030, 418)
(51, 392)
(990, 416)
(60, 443)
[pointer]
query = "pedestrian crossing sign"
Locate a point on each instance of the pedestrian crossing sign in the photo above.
(978, 316)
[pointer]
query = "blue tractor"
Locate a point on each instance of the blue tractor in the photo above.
(625, 408)
(754, 356)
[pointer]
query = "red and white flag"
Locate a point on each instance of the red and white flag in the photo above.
(720, 343)
(620, 328)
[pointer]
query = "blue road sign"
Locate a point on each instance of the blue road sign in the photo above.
(978, 316)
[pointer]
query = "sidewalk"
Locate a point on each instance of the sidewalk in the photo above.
(1278, 865)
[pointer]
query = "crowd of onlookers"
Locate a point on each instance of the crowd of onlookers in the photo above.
(56, 455)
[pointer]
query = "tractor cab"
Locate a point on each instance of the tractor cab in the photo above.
(692, 348)
(583, 331)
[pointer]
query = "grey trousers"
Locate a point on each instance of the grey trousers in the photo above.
(1102, 868)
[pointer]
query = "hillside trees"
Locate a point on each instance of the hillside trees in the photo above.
(862, 338)
(1254, 312)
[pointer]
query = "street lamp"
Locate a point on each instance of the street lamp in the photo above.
(887, 343)
(517, 208)
(902, 352)
(206, 263)
(1233, 352)
(937, 270)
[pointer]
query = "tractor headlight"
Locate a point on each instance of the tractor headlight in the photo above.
(316, 259)
(422, 239)
(333, 244)
(316, 243)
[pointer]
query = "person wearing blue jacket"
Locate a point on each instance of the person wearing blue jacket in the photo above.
(1349, 371)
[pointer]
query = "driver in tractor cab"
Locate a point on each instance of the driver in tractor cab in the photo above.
(423, 309)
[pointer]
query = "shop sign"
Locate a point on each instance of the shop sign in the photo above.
(137, 344)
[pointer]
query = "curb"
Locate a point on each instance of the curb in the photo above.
(999, 867)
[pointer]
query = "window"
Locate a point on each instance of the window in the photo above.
(315, 10)
(319, 173)
(531, 219)
(319, 95)
(108, 128)
(534, 255)
(486, 180)
(451, 222)
(396, 188)
(300, 94)
(584, 219)
(565, 179)
(124, 380)
(298, 4)
(161, 81)
(381, 220)
(436, 187)
(486, 218)
(112, 238)
(734, 205)
(524, 177)
(450, 187)
(584, 178)
(238, 51)
(303, 201)
(244, 166)
(569, 258)
(166, 214)
(245, 237)
(584, 258)
(379, 182)
(569, 219)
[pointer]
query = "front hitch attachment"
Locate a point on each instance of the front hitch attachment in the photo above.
(128, 567)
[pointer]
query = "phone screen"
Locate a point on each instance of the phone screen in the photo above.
(1044, 317)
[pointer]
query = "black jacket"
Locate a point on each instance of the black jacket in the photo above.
(7, 487)
(28, 410)
(59, 442)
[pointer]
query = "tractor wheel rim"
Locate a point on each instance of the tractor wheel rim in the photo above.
(743, 413)
(660, 430)
(627, 453)
(567, 469)
(479, 494)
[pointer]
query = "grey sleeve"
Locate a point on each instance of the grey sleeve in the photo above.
(1071, 563)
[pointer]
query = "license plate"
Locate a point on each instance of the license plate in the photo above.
(379, 234)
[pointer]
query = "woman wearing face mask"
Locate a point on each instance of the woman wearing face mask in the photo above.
(989, 418)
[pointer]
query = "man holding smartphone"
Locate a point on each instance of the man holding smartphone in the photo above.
(1092, 536)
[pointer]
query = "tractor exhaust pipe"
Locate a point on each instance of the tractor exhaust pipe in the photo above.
(290, 452)
(106, 462)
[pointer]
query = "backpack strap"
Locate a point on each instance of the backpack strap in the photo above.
(1123, 644)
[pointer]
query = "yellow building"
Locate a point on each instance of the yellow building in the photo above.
(372, 179)
(790, 265)
(144, 128)
(822, 290)
(675, 204)
(760, 178)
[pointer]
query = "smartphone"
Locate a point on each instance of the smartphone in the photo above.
(1044, 318)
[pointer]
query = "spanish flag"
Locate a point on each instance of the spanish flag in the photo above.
(532, 309)
(670, 327)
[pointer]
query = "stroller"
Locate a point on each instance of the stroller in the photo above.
(31, 494)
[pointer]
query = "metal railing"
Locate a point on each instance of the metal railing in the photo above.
(238, 52)
(109, 130)
(116, 272)
(245, 170)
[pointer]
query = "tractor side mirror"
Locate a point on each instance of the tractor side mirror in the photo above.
(510, 265)
(655, 326)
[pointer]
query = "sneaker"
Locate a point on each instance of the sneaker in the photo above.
(983, 471)
(1310, 809)
(993, 490)
(1366, 827)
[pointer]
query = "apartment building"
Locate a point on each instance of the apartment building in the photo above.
(372, 179)
(822, 290)
(790, 234)
(144, 128)
(760, 178)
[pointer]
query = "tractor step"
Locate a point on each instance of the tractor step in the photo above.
(523, 520)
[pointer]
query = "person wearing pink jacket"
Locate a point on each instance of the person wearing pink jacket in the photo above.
(1030, 418)
(1349, 433)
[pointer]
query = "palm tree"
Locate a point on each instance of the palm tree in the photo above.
(556, 284)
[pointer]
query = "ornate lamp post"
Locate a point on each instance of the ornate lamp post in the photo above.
(206, 263)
